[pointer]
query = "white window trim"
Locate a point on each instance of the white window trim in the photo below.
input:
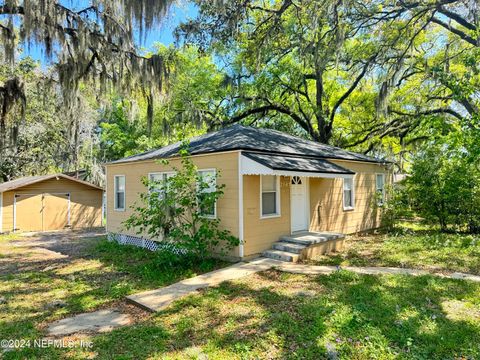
(348, 208)
(115, 193)
(159, 173)
(380, 202)
(277, 195)
(214, 216)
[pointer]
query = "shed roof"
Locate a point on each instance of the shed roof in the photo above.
(238, 137)
(29, 180)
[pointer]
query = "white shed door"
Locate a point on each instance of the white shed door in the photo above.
(298, 203)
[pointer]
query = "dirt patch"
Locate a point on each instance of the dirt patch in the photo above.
(44, 251)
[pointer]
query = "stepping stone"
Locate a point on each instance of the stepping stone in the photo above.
(98, 321)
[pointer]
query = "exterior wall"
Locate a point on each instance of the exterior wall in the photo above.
(326, 200)
(226, 165)
(85, 203)
(260, 234)
(7, 212)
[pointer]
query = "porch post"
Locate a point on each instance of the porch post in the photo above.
(240, 205)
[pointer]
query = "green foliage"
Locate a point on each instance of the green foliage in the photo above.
(121, 136)
(292, 66)
(396, 206)
(175, 210)
(152, 269)
(194, 91)
(444, 185)
(46, 138)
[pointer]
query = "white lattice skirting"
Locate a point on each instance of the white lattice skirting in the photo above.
(151, 245)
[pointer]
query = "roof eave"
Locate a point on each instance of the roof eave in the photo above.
(49, 177)
(373, 161)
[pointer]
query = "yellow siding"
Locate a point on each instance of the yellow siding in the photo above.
(226, 165)
(7, 211)
(86, 208)
(260, 234)
(325, 194)
(326, 200)
(29, 213)
(85, 205)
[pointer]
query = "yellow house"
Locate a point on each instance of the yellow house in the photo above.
(280, 191)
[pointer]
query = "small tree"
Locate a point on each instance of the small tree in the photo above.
(444, 187)
(178, 210)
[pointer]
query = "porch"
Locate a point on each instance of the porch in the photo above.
(282, 200)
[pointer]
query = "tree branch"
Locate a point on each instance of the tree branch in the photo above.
(350, 90)
(454, 16)
(273, 107)
(430, 112)
(456, 31)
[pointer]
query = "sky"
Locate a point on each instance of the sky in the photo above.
(180, 11)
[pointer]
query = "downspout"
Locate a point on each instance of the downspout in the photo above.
(240, 206)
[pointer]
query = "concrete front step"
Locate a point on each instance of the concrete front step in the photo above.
(289, 247)
(310, 238)
(281, 255)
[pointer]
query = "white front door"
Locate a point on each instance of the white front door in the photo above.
(298, 203)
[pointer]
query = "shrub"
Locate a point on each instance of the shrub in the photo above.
(396, 207)
(444, 187)
(173, 211)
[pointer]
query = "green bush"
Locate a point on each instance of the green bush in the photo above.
(174, 210)
(395, 208)
(444, 187)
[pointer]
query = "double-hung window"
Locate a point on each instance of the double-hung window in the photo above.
(270, 195)
(158, 180)
(208, 206)
(348, 194)
(119, 184)
(380, 188)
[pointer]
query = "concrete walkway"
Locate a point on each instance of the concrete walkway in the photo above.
(317, 270)
(156, 300)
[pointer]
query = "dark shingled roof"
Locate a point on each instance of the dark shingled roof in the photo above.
(28, 180)
(240, 137)
(292, 163)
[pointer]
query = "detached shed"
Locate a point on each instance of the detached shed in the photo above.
(49, 202)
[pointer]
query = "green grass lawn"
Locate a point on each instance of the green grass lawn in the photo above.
(267, 315)
(413, 246)
(279, 315)
(97, 274)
